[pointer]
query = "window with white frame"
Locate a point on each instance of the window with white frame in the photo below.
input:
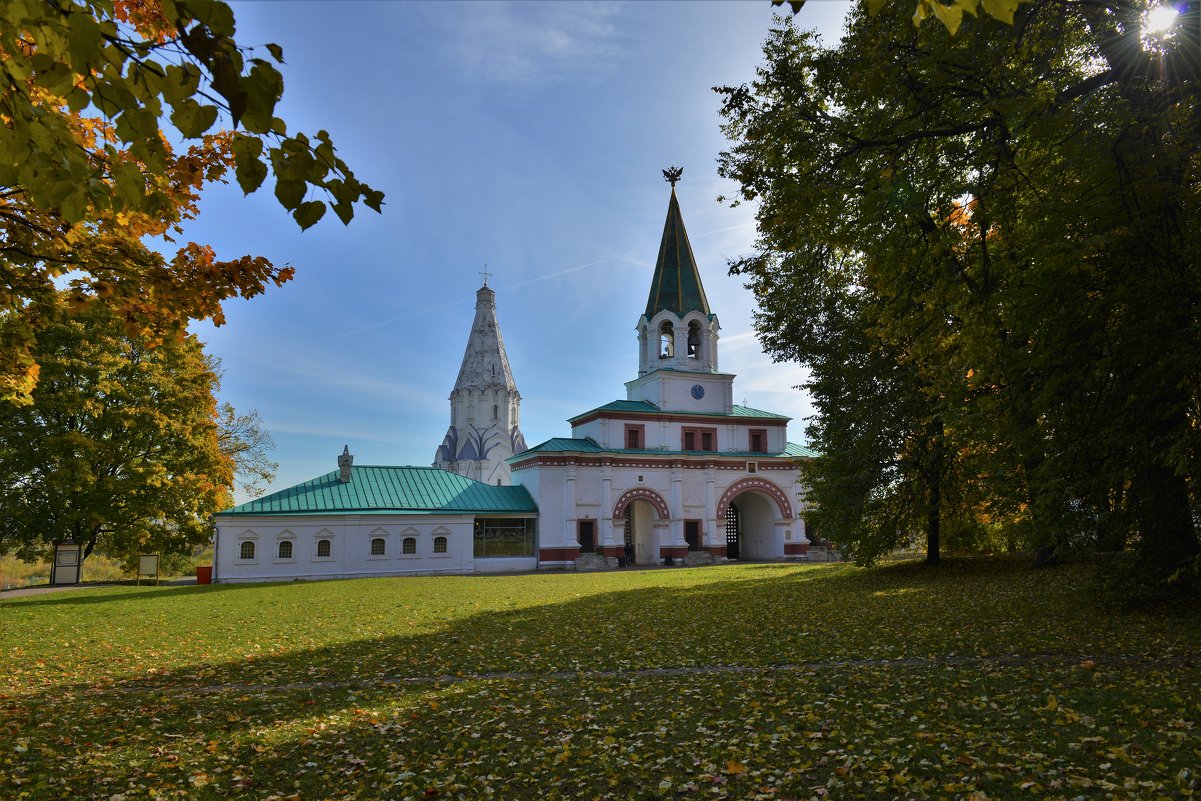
(246, 550)
(285, 549)
(324, 548)
(440, 545)
(379, 546)
(408, 547)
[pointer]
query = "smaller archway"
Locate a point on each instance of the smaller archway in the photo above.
(641, 508)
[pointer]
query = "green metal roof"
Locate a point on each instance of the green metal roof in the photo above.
(677, 283)
(794, 449)
(648, 408)
(588, 445)
(391, 490)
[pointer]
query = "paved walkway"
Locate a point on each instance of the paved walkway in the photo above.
(45, 588)
(951, 661)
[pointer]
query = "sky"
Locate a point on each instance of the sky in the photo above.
(525, 136)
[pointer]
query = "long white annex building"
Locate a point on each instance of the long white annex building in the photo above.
(673, 473)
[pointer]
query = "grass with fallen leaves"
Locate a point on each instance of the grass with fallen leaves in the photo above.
(982, 679)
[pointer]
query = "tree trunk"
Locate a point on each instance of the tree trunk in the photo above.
(934, 487)
(1165, 521)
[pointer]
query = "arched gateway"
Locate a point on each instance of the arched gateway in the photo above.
(756, 517)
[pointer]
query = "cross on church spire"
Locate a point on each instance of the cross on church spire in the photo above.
(484, 272)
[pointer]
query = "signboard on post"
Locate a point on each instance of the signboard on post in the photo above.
(148, 566)
(68, 561)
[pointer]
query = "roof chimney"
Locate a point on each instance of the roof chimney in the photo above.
(344, 463)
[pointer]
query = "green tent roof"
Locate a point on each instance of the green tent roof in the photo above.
(677, 282)
(391, 490)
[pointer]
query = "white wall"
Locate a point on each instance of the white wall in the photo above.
(350, 553)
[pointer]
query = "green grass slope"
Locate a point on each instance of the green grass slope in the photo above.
(981, 679)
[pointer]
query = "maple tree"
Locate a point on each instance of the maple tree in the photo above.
(108, 111)
(1012, 215)
(120, 445)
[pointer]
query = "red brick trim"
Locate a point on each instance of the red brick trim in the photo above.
(675, 552)
(718, 551)
(697, 461)
(558, 554)
(611, 550)
(795, 548)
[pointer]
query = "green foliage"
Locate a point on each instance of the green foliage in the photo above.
(1018, 685)
(120, 445)
(90, 91)
(986, 247)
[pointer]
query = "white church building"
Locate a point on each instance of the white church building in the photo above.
(674, 473)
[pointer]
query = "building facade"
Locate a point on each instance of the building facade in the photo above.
(676, 470)
(368, 521)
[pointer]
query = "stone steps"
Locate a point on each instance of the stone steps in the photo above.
(594, 561)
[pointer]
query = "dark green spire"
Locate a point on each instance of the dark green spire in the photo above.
(677, 283)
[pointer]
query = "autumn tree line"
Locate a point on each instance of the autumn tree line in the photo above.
(114, 115)
(985, 247)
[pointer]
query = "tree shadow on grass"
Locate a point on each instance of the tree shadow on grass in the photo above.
(197, 726)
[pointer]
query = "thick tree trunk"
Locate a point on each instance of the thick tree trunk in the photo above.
(934, 487)
(1165, 520)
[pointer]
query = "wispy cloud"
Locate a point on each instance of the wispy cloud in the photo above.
(533, 43)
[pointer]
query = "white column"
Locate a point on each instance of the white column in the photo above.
(606, 514)
(711, 526)
(677, 507)
(571, 535)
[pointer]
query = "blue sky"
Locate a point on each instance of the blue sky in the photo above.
(525, 136)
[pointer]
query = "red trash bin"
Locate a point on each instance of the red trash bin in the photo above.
(204, 574)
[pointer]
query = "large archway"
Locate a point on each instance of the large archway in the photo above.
(756, 515)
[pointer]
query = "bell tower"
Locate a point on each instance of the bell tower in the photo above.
(485, 406)
(677, 333)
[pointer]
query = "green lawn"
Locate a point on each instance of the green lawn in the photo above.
(982, 679)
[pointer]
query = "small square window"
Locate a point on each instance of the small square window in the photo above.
(439, 544)
(409, 546)
(285, 549)
(246, 551)
(378, 546)
(323, 548)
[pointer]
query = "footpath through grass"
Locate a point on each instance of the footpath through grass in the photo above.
(981, 679)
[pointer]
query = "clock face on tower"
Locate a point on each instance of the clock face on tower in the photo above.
(698, 391)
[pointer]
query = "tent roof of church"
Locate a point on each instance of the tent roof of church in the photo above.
(676, 285)
(588, 445)
(648, 408)
(391, 490)
(485, 364)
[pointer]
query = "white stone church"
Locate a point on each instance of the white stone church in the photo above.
(674, 473)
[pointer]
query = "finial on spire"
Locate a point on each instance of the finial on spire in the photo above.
(672, 174)
(484, 272)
